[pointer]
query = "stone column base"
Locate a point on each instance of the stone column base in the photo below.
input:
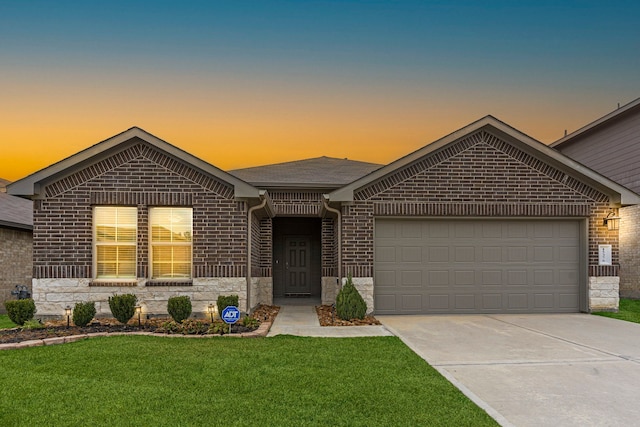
(604, 293)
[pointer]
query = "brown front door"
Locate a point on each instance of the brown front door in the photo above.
(297, 266)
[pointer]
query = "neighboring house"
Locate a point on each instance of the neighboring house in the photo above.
(611, 147)
(16, 225)
(484, 220)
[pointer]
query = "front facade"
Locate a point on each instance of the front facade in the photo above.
(611, 147)
(484, 220)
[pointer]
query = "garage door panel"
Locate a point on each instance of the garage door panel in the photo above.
(465, 254)
(412, 279)
(469, 266)
(464, 277)
(411, 254)
(438, 254)
(438, 278)
(411, 303)
(491, 301)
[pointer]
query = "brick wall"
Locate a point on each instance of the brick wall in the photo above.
(140, 176)
(630, 252)
(15, 262)
(478, 176)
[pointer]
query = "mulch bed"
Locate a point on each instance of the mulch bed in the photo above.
(327, 317)
(58, 328)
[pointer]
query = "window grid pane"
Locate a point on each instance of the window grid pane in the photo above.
(115, 242)
(171, 236)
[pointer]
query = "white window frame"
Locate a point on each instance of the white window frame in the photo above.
(116, 243)
(153, 244)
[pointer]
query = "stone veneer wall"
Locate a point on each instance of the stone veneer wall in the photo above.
(53, 295)
(604, 293)
(15, 262)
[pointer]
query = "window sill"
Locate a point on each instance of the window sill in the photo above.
(114, 284)
(169, 283)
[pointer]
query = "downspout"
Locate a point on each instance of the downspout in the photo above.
(339, 214)
(249, 229)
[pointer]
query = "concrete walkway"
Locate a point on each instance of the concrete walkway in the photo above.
(302, 320)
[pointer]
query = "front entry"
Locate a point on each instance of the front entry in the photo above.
(297, 257)
(297, 266)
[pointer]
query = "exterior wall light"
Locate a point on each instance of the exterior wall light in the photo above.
(612, 221)
(67, 312)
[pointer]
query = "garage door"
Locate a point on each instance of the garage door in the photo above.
(476, 266)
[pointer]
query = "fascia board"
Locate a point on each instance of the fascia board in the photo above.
(29, 186)
(596, 123)
(617, 193)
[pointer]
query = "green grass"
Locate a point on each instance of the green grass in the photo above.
(5, 323)
(629, 311)
(281, 381)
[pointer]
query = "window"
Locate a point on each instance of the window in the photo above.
(171, 230)
(114, 237)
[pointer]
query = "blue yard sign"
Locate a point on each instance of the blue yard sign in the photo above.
(230, 314)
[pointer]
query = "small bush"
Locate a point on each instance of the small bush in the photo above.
(19, 311)
(179, 308)
(349, 302)
(33, 324)
(83, 313)
(250, 322)
(194, 327)
(225, 301)
(123, 307)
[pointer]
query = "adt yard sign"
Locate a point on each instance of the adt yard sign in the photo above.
(230, 314)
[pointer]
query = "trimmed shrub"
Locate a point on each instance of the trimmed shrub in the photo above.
(19, 311)
(225, 301)
(83, 313)
(349, 302)
(179, 308)
(123, 307)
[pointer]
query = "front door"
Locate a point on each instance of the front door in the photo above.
(297, 266)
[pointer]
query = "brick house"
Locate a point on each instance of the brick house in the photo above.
(16, 225)
(485, 220)
(609, 145)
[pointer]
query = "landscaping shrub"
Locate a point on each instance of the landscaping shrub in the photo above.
(349, 302)
(33, 324)
(19, 311)
(225, 301)
(123, 307)
(179, 308)
(83, 313)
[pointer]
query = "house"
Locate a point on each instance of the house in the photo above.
(16, 225)
(610, 145)
(484, 220)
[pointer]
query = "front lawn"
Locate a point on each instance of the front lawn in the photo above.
(629, 311)
(5, 323)
(280, 381)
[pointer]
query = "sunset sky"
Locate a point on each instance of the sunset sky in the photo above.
(245, 83)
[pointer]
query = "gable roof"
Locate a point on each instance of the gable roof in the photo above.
(617, 193)
(630, 108)
(325, 173)
(31, 185)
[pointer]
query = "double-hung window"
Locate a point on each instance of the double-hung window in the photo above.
(114, 235)
(171, 242)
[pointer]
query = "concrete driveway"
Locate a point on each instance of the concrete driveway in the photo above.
(535, 370)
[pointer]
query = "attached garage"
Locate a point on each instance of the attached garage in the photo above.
(428, 266)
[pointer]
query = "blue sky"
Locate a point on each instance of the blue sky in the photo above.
(283, 80)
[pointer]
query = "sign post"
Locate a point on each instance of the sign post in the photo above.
(230, 315)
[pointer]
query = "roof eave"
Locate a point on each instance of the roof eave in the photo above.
(30, 186)
(597, 123)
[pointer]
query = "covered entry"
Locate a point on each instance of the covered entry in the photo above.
(297, 257)
(478, 266)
